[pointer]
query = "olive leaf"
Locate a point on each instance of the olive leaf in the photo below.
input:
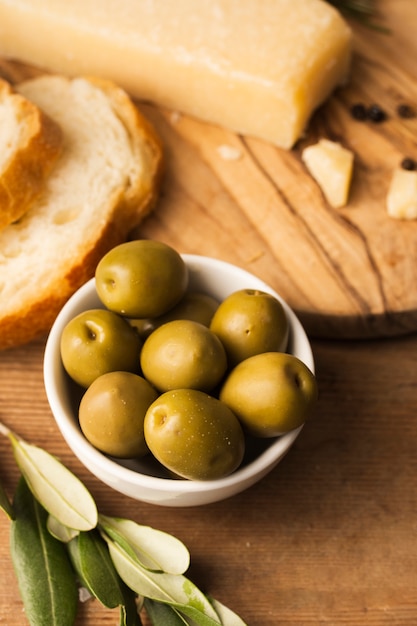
(5, 503)
(163, 615)
(129, 618)
(46, 580)
(227, 616)
(154, 549)
(61, 493)
(129, 611)
(172, 589)
(55, 516)
(91, 560)
(59, 531)
(110, 533)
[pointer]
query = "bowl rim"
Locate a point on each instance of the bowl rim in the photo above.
(53, 369)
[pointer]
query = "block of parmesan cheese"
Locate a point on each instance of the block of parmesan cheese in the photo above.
(257, 67)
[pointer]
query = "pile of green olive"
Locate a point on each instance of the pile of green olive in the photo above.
(175, 373)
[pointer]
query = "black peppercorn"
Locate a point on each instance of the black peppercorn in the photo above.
(376, 114)
(405, 111)
(358, 111)
(408, 164)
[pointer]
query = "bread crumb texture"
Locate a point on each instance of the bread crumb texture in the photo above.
(104, 182)
(30, 144)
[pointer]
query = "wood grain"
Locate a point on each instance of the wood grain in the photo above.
(328, 538)
(348, 273)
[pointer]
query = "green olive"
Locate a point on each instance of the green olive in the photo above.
(141, 278)
(183, 354)
(99, 341)
(270, 393)
(112, 413)
(194, 435)
(249, 322)
(195, 306)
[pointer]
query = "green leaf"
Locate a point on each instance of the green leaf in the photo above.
(61, 493)
(172, 589)
(143, 560)
(46, 580)
(163, 615)
(155, 549)
(227, 616)
(74, 555)
(196, 616)
(59, 531)
(5, 503)
(111, 534)
(91, 560)
(129, 615)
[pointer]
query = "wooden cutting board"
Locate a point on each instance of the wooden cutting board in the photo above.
(348, 273)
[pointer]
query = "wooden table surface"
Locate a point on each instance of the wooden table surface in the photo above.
(329, 537)
(347, 272)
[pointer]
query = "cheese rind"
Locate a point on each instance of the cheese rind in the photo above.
(256, 67)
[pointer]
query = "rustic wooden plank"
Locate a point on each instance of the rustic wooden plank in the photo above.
(347, 273)
(327, 537)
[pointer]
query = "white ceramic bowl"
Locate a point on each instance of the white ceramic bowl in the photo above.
(142, 479)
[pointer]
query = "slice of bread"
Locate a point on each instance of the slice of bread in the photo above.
(105, 181)
(30, 143)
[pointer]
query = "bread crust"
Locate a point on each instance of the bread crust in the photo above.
(23, 175)
(33, 316)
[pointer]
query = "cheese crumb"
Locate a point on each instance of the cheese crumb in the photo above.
(175, 117)
(402, 195)
(229, 153)
(331, 165)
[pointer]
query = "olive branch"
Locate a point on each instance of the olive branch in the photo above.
(60, 544)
